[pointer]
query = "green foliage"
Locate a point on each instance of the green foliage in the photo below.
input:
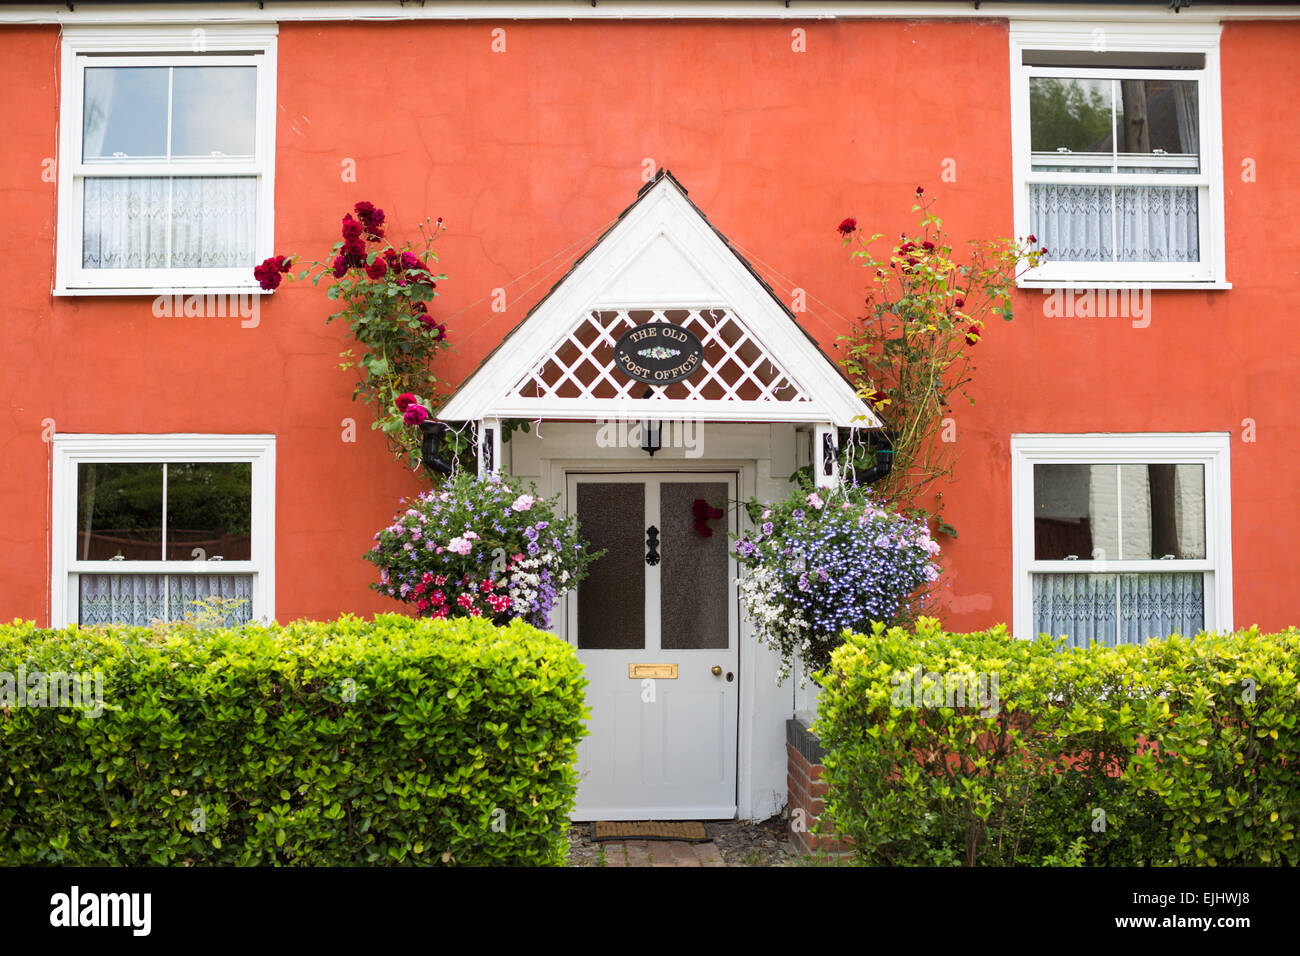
(350, 742)
(1177, 751)
(910, 356)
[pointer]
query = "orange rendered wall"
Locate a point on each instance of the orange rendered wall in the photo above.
(526, 152)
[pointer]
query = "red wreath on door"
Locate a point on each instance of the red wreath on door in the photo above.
(704, 513)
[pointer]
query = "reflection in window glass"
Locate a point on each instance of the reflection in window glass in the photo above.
(1070, 114)
(209, 509)
(125, 113)
(213, 110)
(1163, 509)
(1075, 512)
(119, 511)
(1159, 118)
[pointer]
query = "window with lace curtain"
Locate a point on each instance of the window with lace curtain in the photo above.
(166, 159)
(1116, 154)
(148, 526)
(1121, 538)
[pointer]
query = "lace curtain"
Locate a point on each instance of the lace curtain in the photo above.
(1108, 223)
(1123, 608)
(210, 221)
(139, 599)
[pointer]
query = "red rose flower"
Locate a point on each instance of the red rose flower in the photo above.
(415, 414)
(351, 228)
(340, 266)
(959, 302)
(405, 401)
(372, 219)
(848, 225)
(377, 269)
(268, 273)
(1032, 239)
(919, 190)
(972, 335)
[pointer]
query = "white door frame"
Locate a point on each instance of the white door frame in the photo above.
(554, 474)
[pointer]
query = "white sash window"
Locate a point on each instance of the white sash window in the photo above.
(1116, 154)
(1121, 538)
(145, 526)
(167, 142)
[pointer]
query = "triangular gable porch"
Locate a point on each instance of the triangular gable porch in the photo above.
(661, 261)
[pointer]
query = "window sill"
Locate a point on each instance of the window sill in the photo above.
(1190, 286)
(154, 292)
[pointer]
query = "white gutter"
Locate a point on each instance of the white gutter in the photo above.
(282, 11)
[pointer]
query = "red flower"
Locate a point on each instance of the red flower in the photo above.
(372, 219)
(465, 601)
(1043, 250)
(405, 401)
(415, 414)
(355, 250)
(340, 266)
(436, 329)
(972, 334)
(928, 246)
(269, 272)
(959, 302)
(377, 269)
(351, 228)
(1032, 239)
(848, 225)
(438, 598)
(919, 190)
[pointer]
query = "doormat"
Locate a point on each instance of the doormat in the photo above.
(689, 831)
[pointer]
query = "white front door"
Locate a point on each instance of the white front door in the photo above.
(656, 626)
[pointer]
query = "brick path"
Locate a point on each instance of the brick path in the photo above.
(662, 853)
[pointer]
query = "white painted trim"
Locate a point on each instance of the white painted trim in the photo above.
(1152, 36)
(163, 45)
(663, 211)
(1211, 449)
(392, 10)
(69, 450)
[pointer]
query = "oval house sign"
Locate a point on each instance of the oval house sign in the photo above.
(659, 353)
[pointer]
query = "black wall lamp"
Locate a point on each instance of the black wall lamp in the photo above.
(883, 463)
(433, 433)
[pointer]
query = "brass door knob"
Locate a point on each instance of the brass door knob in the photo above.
(717, 671)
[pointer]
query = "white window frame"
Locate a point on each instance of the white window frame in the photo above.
(213, 45)
(1199, 38)
(1210, 449)
(72, 450)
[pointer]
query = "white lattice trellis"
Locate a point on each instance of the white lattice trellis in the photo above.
(735, 367)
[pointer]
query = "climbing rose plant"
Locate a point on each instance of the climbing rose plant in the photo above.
(910, 356)
(480, 548)
(385, 292)
(819, 563)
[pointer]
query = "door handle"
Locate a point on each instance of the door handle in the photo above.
(717, 671)
(652, 545)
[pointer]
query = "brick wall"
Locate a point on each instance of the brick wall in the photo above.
(804, 805)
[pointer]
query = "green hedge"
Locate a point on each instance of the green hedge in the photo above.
(457, 746)
(1178, 751)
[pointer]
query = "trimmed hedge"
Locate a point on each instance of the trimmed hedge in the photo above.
(457, 747)
(1178, 751)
